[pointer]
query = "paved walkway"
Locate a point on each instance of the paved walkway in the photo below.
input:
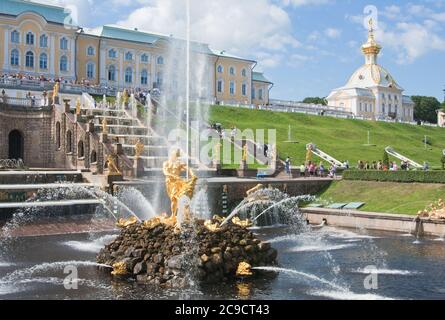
(64, 226)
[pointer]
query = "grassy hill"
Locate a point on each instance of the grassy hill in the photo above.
(343, 139)
(406, 198)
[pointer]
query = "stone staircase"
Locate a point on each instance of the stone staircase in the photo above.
(126, 130)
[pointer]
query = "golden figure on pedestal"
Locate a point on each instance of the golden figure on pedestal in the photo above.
(245, 148)
(78, 107)
(56, 91)
(177, 186)
(113, 169)
(139, 149)
(104, 126)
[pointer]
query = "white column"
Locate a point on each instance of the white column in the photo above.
(102, 67)
(52, 55)
(6, 52)
(73, 58)
(136, 78)
(121, 67)
(153, 70)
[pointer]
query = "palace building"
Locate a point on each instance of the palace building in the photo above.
(372, 92)
(40, 40)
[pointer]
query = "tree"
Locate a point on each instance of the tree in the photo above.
(316, 100)
(385, 159)
(425, 108)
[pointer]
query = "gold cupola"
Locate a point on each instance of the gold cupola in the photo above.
(371, 48)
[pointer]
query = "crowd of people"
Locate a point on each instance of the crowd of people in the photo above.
(390, 166)
(311, 169)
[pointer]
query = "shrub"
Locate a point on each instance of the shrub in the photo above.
(396, 176)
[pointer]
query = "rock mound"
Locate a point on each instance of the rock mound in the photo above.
(164, 256)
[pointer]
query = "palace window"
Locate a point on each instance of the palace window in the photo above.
(232, 71)
(63, 44)
(383, 96)
(144, 77)
(220, 69)
(220, 86)
(64, 64)
(43, 41)
(58, 135)
(15, 57)
(396, 107)
(253, 93)
(15, 36)
(112, 54)
(69, 142)
(361, 106)
(128, 75)
(244, 73)
(111, 73)
(160, 60)
(80, 150)
(90, 51)
(43, 63)
(244, 89)
(232, 88)
(29, 61)
(389, 108)
(90, 70)
(144, 58)
(129, 56)
(383, 108)
(30, 38)
(260, 94)
(159, 80)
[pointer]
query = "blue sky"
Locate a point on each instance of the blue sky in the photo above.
(306, 47)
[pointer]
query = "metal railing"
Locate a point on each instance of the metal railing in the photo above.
(23, 102)
(11, 164)
(41, 85)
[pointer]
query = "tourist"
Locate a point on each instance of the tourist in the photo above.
(426, 166)
(321, 170)
(287, 166)
(302, 170)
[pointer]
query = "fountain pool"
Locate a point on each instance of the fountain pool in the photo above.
(328, 263)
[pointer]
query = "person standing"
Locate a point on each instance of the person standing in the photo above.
(287, 166)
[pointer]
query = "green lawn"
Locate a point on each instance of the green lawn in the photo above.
(388, 197)
(343, 139)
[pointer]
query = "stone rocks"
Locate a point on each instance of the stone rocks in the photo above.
(161, 256)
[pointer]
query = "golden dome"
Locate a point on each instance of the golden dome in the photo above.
(371, 46)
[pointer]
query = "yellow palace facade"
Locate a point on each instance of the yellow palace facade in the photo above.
(39, 40)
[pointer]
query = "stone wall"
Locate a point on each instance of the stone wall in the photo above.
(35, 126)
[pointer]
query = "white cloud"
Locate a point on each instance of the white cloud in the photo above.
(332, 33)
(411, 40)
(222, 24)
(299, 3)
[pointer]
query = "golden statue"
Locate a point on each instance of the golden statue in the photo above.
(254, 189)
(242, 223)
(112, 166)
(78, 107)
(176, 186)
(244, 270)
(217, 152)
(56, 90)
(119, 269)
(125, 97)
(245, 148)
(104, 126)
(123, 223)
(139, 149)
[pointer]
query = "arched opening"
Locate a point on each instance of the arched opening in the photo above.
(58, 135)
(93, 156)
(16, 145)
(69, 142)
(80, 150)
